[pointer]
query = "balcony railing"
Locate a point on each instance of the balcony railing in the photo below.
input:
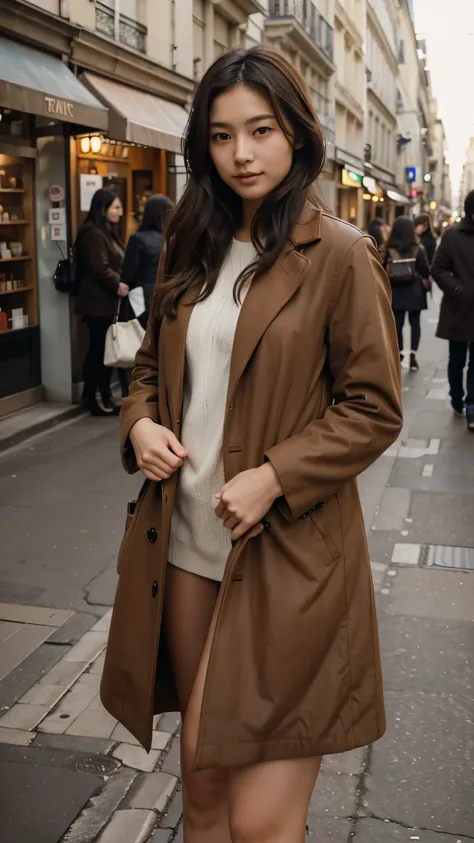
(307, 15)
(130, 33)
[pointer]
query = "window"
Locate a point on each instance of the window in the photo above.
(401, 52)
(118, 20)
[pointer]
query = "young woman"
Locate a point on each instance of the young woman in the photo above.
(410, 296)
(99, 255)
(267, 381)
(424, 230)
(144, 250)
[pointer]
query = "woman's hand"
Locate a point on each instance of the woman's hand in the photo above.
(245, 499)
(158, 452)
(122, 290)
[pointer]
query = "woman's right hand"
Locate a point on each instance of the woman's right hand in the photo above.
(122, 290)
(158, 452)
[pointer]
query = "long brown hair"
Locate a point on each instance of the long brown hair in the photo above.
(425, 219)
(203, 223)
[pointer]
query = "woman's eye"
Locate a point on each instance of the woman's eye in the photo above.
(263, 130)
(220, 136)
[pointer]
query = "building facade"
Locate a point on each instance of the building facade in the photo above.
(467, 178)
(413, 97)
(439, 198)
(350, 20)
(380, 185)
(303, 32)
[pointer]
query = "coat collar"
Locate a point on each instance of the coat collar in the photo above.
(308, 228)
(265, 298)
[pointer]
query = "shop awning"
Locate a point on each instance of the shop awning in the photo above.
(398, 197)
(37, 83)
(138, 117)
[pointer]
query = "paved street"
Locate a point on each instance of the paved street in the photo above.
(69, 772)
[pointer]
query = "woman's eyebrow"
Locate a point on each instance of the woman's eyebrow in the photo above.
(220, 124)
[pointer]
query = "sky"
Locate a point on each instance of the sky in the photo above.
(449, 31)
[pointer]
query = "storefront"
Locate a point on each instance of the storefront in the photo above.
(141, 154)
(41, 101)
(348, 195)
(383, 200)
(374, 202)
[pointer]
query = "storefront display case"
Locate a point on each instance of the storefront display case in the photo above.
(19, 332)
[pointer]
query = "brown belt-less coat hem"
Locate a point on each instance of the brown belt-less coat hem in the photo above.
(314, 387)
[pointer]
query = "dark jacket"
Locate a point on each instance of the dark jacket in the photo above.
(99, 257)
(141, 262)
(429, 243)
(411, 296)
(453, 271)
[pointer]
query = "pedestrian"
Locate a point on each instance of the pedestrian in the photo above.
(99, 255)
(267, 381)
(453, 271)
(144, 251)
(406, 263)
(425, 231)
(378, 228)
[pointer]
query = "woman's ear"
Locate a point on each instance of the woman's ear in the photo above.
(299, 144)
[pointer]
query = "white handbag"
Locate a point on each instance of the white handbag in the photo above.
(122, 341)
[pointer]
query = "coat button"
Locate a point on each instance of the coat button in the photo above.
(152, 535)
(266, 524)
(154, 589)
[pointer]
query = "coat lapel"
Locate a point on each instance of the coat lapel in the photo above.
(265, 298)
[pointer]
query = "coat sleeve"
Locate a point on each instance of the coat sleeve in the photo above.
(142, 400)
(422, 263)
(442, 268)
(131, 263)
(97, 253)
(366, 416)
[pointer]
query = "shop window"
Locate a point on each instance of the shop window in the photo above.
(18, 281)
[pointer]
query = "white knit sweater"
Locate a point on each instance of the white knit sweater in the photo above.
(199, 541)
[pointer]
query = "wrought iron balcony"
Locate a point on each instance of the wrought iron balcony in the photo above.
(129, 32)
(307, 15)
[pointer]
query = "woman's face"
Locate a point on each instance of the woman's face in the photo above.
(250, 151)
(421, 228)
(114, 212)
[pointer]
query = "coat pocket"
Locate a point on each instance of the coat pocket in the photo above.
(325, 535)
(132, 509)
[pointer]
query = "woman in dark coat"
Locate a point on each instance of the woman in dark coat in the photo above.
(409, 297)
(99, 255)
(144, 250)
(424, 230)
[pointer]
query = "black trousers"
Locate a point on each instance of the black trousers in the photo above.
(414, 317)
(96, 375)
(457, 362)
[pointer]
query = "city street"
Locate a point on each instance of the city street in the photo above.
(69, 772)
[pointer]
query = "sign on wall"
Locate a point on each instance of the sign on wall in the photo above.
(88, 186)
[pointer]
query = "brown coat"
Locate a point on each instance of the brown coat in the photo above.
(314, 387)
(99, 257)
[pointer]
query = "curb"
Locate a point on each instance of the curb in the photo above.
(40, 426)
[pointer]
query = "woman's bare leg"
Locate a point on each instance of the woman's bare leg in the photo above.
(189, 617)
(268, 802)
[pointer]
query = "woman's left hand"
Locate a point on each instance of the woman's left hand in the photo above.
(246, 499)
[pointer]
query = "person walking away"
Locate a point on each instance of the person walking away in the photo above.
(378, 228)
(424, 230)
(407, 266)
(144, 251)
(267, 381)
(99, 256)
(453, 271)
